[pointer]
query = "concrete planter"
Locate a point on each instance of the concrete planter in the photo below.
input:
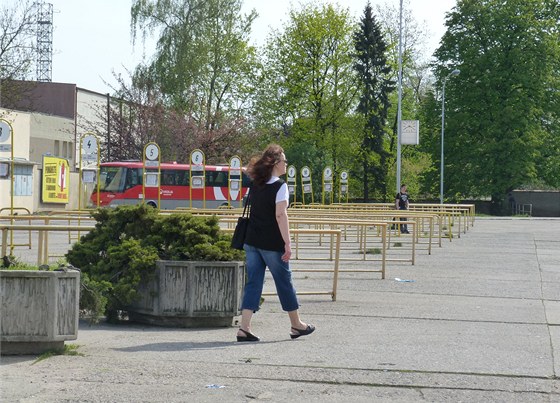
(191, 294)
(40, 310)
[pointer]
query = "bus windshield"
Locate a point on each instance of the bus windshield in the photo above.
(111, 179)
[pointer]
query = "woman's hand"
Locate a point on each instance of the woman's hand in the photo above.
(287, 254)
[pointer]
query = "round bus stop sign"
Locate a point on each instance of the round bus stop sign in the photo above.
(291, 172)
(5, 131)
(152, 152)
(89, 145)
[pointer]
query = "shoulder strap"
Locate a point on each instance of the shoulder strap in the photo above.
(247, 204)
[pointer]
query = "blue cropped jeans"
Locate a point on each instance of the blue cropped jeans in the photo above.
(257, 260)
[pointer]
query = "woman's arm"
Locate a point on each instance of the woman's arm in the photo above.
(284, 226)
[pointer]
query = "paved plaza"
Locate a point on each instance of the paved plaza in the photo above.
(479, 321)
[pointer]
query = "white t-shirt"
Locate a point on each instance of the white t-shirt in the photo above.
(282, 194)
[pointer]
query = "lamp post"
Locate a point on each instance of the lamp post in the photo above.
(399, 106)
(453, 73)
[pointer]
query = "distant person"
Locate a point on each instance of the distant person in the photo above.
(267, 243)
(511, 201)
(401, 203)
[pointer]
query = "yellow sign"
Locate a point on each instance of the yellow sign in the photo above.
(56, 180)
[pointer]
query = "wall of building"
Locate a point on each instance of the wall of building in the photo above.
(545, 203)
(58, 99)
(52, 135)
(50, 118)
(36, 134)
(91, 117)
(91, 111)
(20, 122)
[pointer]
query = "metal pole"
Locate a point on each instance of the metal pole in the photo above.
(399, 108)
(108, 127)
(12, 184)
(442, 135)
(453, 73)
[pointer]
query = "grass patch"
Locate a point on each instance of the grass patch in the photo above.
(397, 244)
(68, 349)
(373, 251)
(13, 263)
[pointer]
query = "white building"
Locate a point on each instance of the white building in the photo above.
(49, 120)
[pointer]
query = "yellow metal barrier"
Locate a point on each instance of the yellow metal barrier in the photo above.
(360, 243)
(384, 209)
(422, 223)
(70, 215)
(13, 218)
(43, 242)
(336, 257)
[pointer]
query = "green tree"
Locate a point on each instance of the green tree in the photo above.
(203, 63)
(196, 92)
(500, 109)
(308, 87)
(373, 75)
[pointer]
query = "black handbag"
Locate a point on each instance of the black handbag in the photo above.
(238, 238)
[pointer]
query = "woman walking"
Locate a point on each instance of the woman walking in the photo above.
(267, 243)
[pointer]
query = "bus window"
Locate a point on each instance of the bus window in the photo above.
(110, 179)
(168, 177)
(133, 178)
(174, 177)
(216, 178)
(245, 181)
(183, 178)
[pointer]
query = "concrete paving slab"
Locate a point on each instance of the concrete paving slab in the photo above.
(439, 307)
(458, 286)
(555, 342)
(478, 324)
(551, 291)
(552, 309)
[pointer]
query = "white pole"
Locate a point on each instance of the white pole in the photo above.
(442, 135)
(399, 108)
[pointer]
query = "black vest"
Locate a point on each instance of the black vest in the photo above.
(263, 231)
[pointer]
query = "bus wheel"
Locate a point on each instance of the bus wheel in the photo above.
(152, 204)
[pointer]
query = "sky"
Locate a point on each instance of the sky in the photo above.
(92, 38)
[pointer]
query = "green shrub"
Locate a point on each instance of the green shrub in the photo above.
(123, 248)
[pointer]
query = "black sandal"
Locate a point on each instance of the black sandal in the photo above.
(248, 336)
(302, 332)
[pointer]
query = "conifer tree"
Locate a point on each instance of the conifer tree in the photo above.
(375, 86)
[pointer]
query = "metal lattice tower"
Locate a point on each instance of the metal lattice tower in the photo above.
(44, 41)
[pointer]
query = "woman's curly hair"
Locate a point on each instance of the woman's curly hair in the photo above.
(260, 168)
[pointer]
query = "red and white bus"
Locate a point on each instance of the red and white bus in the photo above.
(121, 183)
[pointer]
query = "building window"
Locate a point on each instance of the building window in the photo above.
(70, 149)
(56, 148)
(4, 170)
(23, 180)
(64, 149)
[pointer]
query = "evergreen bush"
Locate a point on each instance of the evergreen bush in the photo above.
(123, 248)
